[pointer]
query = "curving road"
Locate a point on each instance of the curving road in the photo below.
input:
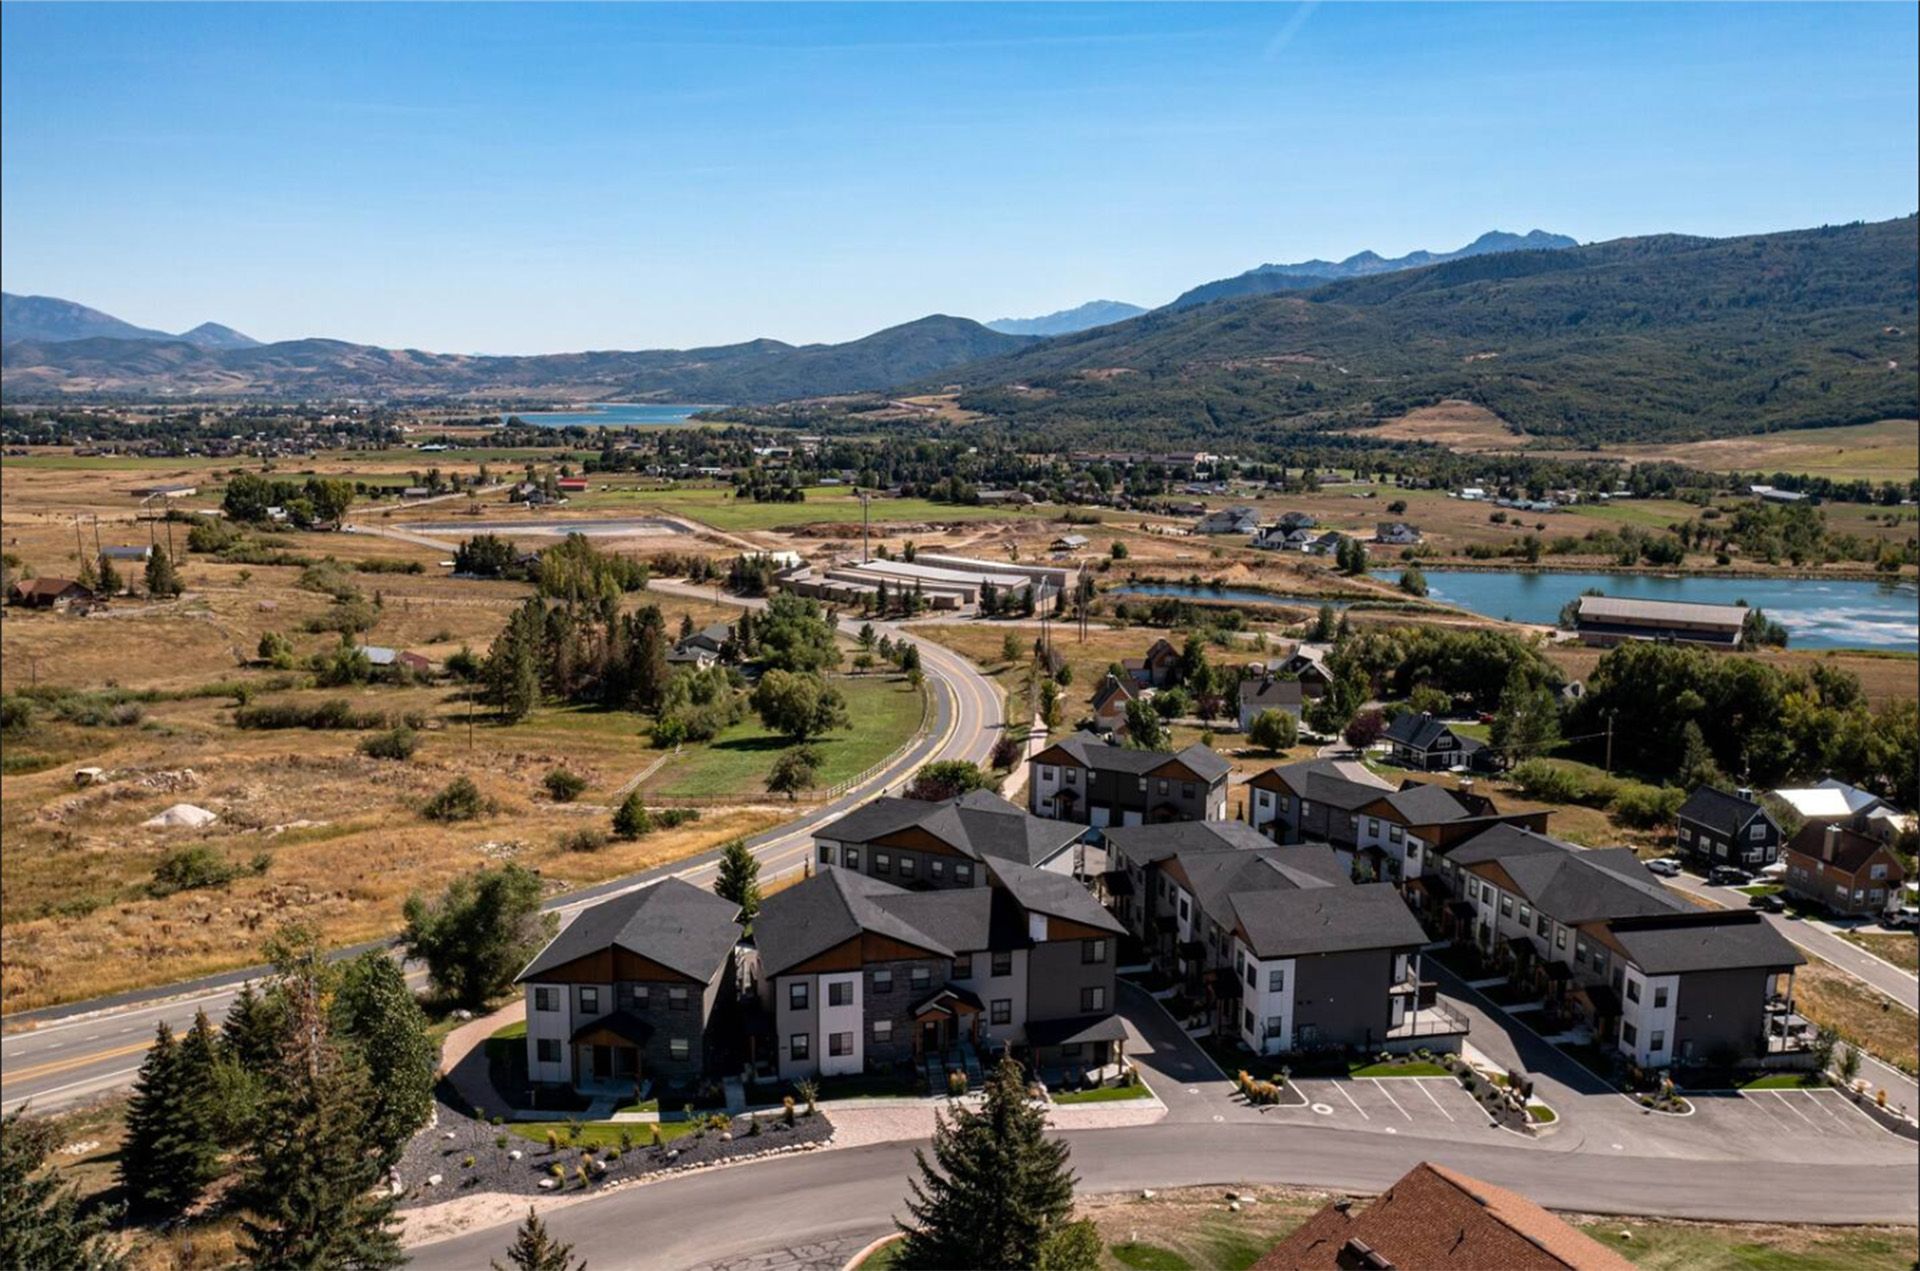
(67, 1054)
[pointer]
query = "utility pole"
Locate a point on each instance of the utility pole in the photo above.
(1610, 715)
(865, 527)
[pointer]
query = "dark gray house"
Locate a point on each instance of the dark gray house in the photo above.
(1714, 827)
(918, 844)
(1085, 780)
(633, 990)
(1430, 745)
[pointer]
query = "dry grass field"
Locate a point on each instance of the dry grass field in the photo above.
(1888, 450)
(1884, 677)
(1463, 427)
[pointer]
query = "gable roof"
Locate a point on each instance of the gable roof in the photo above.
(1219, 876)
(1851, 850)
(1109, 689)
(682, 927)
(1719, 810)
(978, 824)
(1327, 781)
(1435, 1218)
(1295, 922)
(1424, 803)
(1572, 884)
(1090, 752)
(1041, 891)
(1145, 844)
(1703, 940)
(52, 587)
(1268, 693)
(1422, 730)
(827, 910)
(1831, 798)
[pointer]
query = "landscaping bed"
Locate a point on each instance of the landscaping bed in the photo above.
(470, 1155)
(1104, 1094)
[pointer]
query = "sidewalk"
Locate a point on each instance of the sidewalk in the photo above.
(463, 1058)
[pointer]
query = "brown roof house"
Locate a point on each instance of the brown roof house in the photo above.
(1156, 669)
(47, 593)
(1110, 705)
(1435, 1218)
(1845, 870)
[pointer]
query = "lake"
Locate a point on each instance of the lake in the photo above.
(1818, 613)
(610, 415)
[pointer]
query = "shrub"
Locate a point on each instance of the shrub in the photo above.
(466, 1162)
(500, 1141)
(187, 868)
(667, 818)
(460, 801)
(631, 819)
(1643, 807)
(564, 786)
(333, 713)
(956, 1084)
(786, 1109)
(397, 743)
(553, 1141)
(585, 839)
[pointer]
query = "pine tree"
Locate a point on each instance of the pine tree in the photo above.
(40, 1220)
(375, 1009)
(310, 1179)
(169, 1156)
(534, 1250)
(1698, 767)
(998, 1192)
(110, 584)
(162, 578)
(739, 878)
(631, 819)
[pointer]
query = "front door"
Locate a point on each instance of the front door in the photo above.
(930, 1037)
(603, 1063)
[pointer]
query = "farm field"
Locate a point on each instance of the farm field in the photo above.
(1888, 450)
(716, 505)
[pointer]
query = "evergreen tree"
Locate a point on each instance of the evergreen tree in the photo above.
(1698, 767)
(998, 1191)
(170, 1155)
(1323, 625)
(375, 1010)
(739, 878)
(513, 663)
(162, 578)
(1527, 723)
(631, 819)
(310, 1180)
(40, 1220)
(110, 582)
(534, 1250)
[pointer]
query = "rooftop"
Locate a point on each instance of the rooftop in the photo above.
(1621, 609)
(682, 927)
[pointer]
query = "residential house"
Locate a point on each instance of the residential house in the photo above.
(1234, 520)
(47, 593)
(128, 555)
(712, 643)
(1430, 745)
(1326, 545)
(633, 990)
(1307, 664)
(1834, 802)
(1604, 621)
(1842, 869)
(1158, 668)
(1070, 543)
(1268, 693)
(917, 844)
(1083, 779)
(571, 485)
(1282, 538)
(855, 974)
(1110, 704)
(1313, 800)
(1298, 521)
(1396, 534)
(1437, 1217)
(1715, 827)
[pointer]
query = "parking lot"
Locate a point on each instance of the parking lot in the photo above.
(1823, 1125)
(1422, 1105)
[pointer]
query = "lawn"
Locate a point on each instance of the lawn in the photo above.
(1784, 1081)
(1105, 1094)
(886, 711)
(1689, 1246)
(1413, 1068)
(716, 505)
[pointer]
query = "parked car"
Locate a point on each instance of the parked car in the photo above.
(1728, 876)
(1767, 902)
(1904, 916)
(1665, 866)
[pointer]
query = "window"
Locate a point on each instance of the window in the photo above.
(1047, 772)
(1184, 911)
(1580, 959)
(1660, 998)
(1073, 776)
(883, 1030)
(919, 977)
(633, 994)
(1540, 927)
(1658, 1041)
(677, 999)
(1092, 951)
(1633, 986)
(1001, 1011)
(548, 1050)
(1686, 835)
(545, 998)
(678, 1048)
(882, 863)
(1163, 786)
(1629, 1034)
(936, 867)
(797, 995)
(1560, 938)
(1506, 906)
(1394, 833)
(1253, 976)
(1373, 826)
(963, 967)
(839, 1043)
(1877, 873)
(1186, 789)
(906, 866)
(589, 1001)
(1758, 832)
(826, 853)
(1277, 980)
(800, 1046)
(1093, 998)
(1526, 915)
(1002, 963)
(1249, 1019)
(853, 858)
(963, 874)
(1275, 1024)
(840, 993)
(883, 980)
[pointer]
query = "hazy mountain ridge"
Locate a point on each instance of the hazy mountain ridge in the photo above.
(1094, 313)
(49, 319)
(1306, 274)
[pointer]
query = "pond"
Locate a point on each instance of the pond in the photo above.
(1225, 595)
(609, 415)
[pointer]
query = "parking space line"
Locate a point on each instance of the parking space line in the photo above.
(1390, 1099)
(1349, 1098)
(1435, 1102)
(1754, 1098)
(1821, 1103)
(1788, 1105)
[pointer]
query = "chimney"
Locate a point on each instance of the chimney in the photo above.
(1830, 842)
(1745, 792)
(1466, 785)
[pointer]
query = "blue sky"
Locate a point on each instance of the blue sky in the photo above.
(543, 178)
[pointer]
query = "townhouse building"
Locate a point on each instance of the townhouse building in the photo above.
(635, 989)
(918, 844)
(1090, 782)
(1718, 827)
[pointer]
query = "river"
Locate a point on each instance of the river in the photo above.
(1818, 613)
(610, 415)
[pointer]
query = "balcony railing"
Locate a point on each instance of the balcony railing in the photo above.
(1430, 1021)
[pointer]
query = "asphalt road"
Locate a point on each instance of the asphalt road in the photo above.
(68, 1054)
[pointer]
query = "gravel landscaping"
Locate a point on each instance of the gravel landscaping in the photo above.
(469, 1156)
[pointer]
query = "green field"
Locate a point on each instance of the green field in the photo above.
(1652, 514)
(885, 712)
(716, 506)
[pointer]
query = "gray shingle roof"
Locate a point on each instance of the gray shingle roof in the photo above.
(1428, 805)
(1296, 923)
(1093, 753)
(979, 824)
(1144, 844)
(1719, 810)
(1218, 877)
(685, 928)
(1421, 731)
(1042, 891)
(826, 911)
(1571, 884)
(1703, 941)
(1271, 694)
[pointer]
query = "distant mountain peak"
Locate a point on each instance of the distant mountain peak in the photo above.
(51, 320)
(1094, 313)
(1304, 274)
(215, 335)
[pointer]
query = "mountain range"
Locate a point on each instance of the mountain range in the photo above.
(1306, 274)
(47, 319)
(1094, 313)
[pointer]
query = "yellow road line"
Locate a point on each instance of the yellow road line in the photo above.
(74, 1061)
